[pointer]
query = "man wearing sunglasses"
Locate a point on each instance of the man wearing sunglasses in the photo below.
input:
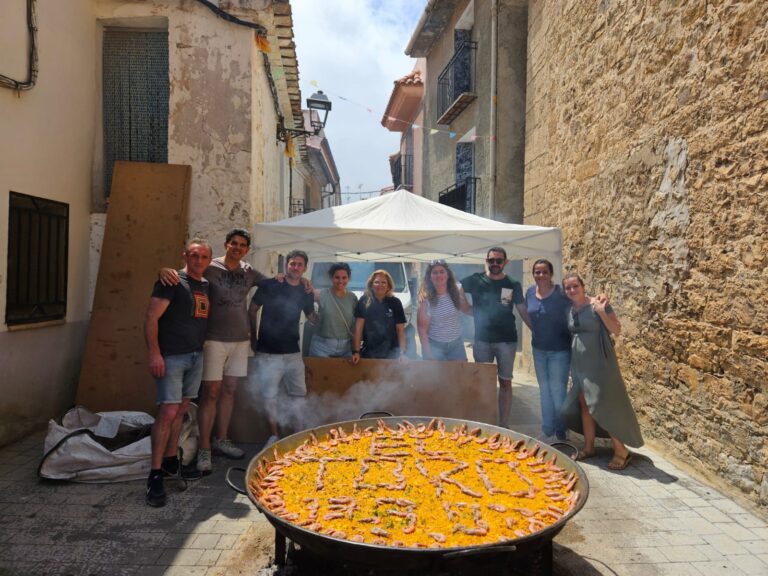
(494, 295)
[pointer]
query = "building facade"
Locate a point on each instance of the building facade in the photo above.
(405, 114)
(319, 177)
(157, 81)
(474, 104)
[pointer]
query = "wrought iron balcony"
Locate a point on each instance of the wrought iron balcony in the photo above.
(402, 171)
(456, 84)
(461, 195)
(298, 208)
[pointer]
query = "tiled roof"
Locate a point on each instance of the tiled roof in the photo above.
(412, 79)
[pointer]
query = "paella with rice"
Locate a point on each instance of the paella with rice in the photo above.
(419, 486)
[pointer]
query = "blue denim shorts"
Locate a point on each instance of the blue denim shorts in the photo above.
(183, 373)
(330, 347)
(503, 352)
(448, 350)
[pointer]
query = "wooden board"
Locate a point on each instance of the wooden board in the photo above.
(146, 229)
(338, 390)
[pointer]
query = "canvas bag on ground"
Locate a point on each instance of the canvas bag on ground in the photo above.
(106, 446)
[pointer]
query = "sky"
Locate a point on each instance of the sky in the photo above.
(353, 50)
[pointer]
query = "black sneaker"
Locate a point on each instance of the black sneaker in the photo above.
(170, 468)
(155, 490)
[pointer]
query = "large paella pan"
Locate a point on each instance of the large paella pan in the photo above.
(411, 492)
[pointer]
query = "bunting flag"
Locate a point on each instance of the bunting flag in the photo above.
(278, 73)
(471, 137)
(263, 44)
(290, 150)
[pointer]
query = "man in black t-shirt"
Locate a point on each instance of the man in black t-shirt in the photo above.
(278, 356)
(494, 296)
(175, 327)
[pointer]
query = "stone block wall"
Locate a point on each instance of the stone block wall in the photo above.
(647, 143)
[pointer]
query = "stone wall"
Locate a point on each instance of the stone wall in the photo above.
(647, 143)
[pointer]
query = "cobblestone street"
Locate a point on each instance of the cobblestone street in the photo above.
(650, 519)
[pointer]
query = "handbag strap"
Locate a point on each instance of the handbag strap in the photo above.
(340, 312)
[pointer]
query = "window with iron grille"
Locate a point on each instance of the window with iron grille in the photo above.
(38, 238)
(136, 92)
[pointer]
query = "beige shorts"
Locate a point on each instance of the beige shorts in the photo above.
(225, 359)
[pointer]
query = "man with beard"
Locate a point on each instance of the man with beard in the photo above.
(278, 356)
(493, 296)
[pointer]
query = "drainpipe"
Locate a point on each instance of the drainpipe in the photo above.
(290, 187)
(492, 130)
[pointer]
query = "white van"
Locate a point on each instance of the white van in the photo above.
(318, 274)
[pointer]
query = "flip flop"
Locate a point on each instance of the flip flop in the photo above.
(624, 463)
(584, 455)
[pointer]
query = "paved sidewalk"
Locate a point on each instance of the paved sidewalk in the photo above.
(650, 519)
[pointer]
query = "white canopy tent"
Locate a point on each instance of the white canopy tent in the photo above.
(403, 227)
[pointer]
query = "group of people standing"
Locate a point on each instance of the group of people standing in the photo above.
(571, 338)
(571, 335)
(199, 332)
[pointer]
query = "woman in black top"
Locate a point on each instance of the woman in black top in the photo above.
(379, 321)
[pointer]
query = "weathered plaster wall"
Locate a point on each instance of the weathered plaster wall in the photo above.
(647, 142)
(221, 115)
(46, 151)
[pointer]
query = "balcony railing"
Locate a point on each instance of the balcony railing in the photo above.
(298, 208)
(402, 171)
(461, 195)
(456, 84)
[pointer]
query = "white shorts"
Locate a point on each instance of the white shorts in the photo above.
(225, 359)
(266, 371)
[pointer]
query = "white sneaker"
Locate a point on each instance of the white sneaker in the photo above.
(546, 439)
(204, 460)
(271, 440)
(227, 448)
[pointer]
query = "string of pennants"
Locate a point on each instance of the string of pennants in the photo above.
(432, 131)
(278, 72)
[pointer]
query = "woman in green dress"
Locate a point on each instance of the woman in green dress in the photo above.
(597, 404)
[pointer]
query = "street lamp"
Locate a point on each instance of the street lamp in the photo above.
(319, 103)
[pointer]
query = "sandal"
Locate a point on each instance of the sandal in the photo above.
(617, 463)
(584, 455)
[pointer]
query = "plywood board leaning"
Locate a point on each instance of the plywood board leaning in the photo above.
(146, 229)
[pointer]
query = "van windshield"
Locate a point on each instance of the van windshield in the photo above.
(360, 273)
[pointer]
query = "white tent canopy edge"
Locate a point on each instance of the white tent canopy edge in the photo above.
(403, 227)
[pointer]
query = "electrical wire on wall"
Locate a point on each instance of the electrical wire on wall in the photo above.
(260, 31)
(32, 55)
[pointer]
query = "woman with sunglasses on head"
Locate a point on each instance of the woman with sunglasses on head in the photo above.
(379, 321)
(441, 299)
(551, 342)
(597, 404)
(332, 336)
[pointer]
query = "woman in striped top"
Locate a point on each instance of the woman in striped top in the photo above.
(441, 299)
